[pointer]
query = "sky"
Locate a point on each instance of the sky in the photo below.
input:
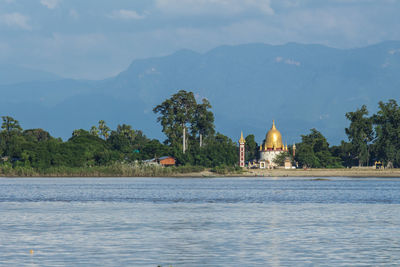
(97, 39)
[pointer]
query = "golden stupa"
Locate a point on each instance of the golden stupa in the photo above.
(273, 139)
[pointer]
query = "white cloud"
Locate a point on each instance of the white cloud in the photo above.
(206, 7)
(126, 14)
(15, 20)
(51, 4)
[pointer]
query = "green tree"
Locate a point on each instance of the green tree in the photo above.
(10, 125)
(123, 140)
(94, 131)
(126, 131)
(79, 132)
(203, 121)
(104, 129)
(387, 128)
(314, 152)
(305, 156)
(281, 158)
(176, 116)
(360, 133)
(36, 135)
(219, 151)
(10, 129)
(344, 152)
(251, 148)
(154, 149)
(84, 150)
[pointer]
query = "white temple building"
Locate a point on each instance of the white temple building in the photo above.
(269, 150)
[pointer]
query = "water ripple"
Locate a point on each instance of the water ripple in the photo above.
(199, 222)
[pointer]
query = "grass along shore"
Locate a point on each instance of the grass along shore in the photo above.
(140, 170)
(114, 170)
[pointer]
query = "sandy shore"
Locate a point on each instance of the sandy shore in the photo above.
(353, 172)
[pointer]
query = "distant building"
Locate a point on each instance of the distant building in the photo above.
(288, 164)
(167, 161)
(269, 150)
(163, 161)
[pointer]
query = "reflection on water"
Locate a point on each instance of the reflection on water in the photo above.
(199, 222)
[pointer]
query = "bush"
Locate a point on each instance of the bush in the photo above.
(223, 169)
(6, 168)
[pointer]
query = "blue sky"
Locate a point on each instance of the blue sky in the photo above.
(95, 39)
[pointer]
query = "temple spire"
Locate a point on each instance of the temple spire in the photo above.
(242, 140)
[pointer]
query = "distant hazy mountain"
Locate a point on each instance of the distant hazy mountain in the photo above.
(300, 86)
(14, 74)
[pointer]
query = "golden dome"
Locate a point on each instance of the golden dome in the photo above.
(273, 140)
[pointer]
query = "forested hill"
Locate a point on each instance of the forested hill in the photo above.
(300, 86)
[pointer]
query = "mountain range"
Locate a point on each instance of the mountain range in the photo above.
(299, 86)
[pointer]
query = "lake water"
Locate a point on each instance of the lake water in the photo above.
(199, 222)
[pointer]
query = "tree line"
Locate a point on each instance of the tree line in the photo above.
(188, 124)
(36, 148)
(370, 139)
(373, 138)
(180, 116)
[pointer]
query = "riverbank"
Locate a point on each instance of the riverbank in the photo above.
(353, 172)
(197, 172)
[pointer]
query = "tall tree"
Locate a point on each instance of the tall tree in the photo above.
(37, 135)
(360, 134)
(203, 121)
(126, 131)
(219, 151)
(94, 131)
(251, 148)
(10, 128)
(79, 132)
(387, 128)
(10, 125)
(343, 151)
(314, 151)
(176, 116)
(104, 129)
(123, 139)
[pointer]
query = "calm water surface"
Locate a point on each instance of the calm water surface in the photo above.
(199, 222)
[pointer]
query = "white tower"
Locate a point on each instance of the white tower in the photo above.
(242, 151)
